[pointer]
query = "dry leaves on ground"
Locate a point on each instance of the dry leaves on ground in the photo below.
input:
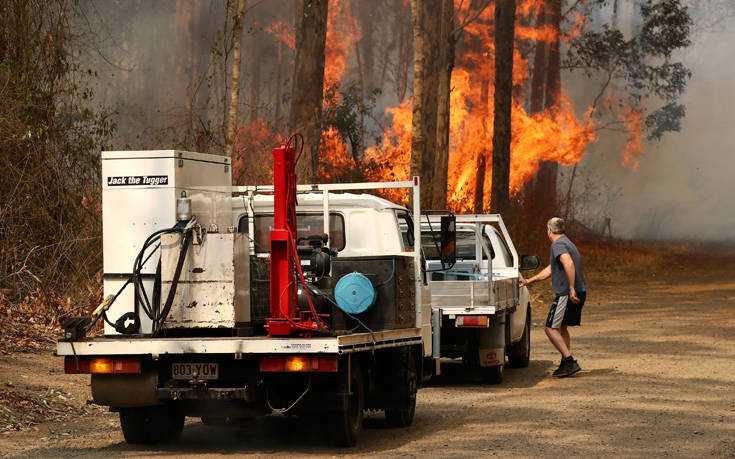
(35, 322)
(21, 409)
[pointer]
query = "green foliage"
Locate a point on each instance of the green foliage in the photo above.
(643, 64)
(345, 111)
(50, 139)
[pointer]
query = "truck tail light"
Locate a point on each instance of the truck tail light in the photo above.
(101, 365)
(76, 365)
(298, 363)
(473, 321)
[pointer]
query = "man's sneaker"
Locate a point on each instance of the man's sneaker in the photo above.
(569, 367)
(558, 370)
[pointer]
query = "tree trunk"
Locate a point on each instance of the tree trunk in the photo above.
(478, 206)
(545, 193)
(615, 15)
(308, 82)
(279, 88)
(235, 89)
(504, 40)
(536, 105)
(441, 160)
(539, 66)
(426, 21)
(553, 78)
(403, 65)
(367, 43)
(254, 75)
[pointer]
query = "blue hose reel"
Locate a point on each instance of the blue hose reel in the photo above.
(354, 293)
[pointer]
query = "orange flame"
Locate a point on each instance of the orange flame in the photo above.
(283, 33)
(556, 135)
(247, 163)
(333, 152)
(342, 34)
(632, 119)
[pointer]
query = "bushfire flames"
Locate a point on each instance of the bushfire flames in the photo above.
(556, 134)
(342, 35)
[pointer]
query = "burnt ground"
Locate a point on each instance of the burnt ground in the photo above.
(658, 379)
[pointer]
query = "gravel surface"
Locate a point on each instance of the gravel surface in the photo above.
(657, 379)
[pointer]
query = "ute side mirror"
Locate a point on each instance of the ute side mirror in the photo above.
(448, 249)
(529, 262)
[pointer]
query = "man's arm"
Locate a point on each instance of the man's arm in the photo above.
(568, 264)
(543, 275)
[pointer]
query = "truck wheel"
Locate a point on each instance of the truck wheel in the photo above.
(349, 415)
(492, 375)
(408, 386)
(151, 424)
(520, 353)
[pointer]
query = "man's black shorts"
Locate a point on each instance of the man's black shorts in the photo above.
(564, 312)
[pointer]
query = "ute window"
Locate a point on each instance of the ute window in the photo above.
(504, 250)
(406, 226)
(465, 246)
(307, 225)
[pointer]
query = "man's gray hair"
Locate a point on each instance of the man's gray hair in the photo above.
(556, 225)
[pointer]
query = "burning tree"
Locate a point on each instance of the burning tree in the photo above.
(566, 36)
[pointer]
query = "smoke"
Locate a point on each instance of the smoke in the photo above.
(162, 66)
(684, 185)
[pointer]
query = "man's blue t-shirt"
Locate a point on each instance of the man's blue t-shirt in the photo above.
(559, 281)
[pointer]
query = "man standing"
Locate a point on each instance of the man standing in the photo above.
(567, 280)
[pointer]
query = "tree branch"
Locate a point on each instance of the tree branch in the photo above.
(471, 18)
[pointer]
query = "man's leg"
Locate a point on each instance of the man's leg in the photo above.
(567, 338)
(556, 338)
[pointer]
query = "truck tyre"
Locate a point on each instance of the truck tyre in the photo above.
(151, 425)
(492, 375)
(349, 416)
(407, 387)
(519, 354)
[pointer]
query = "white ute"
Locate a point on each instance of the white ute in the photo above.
(479, 312)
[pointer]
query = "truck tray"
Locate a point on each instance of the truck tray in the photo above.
(342, 344)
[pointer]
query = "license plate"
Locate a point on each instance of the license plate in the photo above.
(195, 370)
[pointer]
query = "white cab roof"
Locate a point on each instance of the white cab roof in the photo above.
(314, 201)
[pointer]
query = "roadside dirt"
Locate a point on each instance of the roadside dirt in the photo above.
(658, 379)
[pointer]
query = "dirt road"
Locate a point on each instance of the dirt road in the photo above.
(658, 379)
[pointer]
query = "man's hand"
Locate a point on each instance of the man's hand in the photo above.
(543, 275)
(523, 282)
(573, 295)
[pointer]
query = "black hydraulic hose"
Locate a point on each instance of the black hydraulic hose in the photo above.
(135, 278)
(174, 282)
(156, 306)
(145, 303)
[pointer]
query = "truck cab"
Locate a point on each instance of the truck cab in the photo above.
(361, 228)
